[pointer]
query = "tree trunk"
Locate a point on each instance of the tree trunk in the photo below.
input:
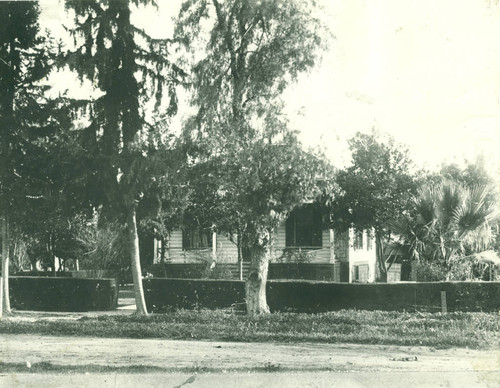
(140, 301)
(380, 268)
(255, 288)
(5, 264)
(240, 257)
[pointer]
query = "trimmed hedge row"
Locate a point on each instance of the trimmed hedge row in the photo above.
(63, 294)
(304, 271)
(123, 276)
(165, 294)
(315, 297)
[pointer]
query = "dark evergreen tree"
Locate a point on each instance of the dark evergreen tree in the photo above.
(129, 68)
(24, 61)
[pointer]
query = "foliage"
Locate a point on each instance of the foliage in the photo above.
(25, 115)
(473, 174)
(20, 260)
(253, 51)
(63, 294)
(130, 70)
(451, 222)
(27, 118)
(251, 168)
(377, 186)
(429, 272)
(295, 256)
(101, 246)
(110, 51)
(375, 189)
(163, 203)
(305, 296)
(473, 330)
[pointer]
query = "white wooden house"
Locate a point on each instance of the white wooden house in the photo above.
(302, 232)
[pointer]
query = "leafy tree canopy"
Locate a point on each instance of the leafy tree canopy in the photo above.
(250, 52)
(377, 187)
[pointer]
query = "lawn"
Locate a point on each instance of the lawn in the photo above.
(475, 330)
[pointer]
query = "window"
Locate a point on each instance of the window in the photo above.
(303, 228)
(358, 239)
(196, 239)
(361, 273)
(369, 240)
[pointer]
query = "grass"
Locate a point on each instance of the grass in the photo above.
(475, 330)
(48, 367)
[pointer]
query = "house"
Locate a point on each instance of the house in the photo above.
(300, 235)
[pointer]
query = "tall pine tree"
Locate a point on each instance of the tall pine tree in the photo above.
(129, 68)
(24, 61)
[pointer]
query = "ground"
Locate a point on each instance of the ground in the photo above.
(252, 380)
(236, 356)
(201, 363)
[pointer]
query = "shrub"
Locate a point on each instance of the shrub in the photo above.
(165, 294)
(314, 297)
(102, 247)
(430, 272)
(295, 256)
(63, 294)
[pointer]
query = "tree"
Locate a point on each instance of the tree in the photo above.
(451, 221)
(24, 61)
(375, 189)
(129, 68)
(472, 175)
(254, 50)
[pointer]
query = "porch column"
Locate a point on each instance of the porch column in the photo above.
(214, 245)
(332, 246)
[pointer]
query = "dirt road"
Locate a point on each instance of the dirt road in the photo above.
(252, 380)
(231, 356)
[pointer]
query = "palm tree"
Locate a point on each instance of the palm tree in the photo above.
(451, 221)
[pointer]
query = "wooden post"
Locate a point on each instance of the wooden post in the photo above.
(444, 308)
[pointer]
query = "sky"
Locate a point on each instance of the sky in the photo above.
(426, 72)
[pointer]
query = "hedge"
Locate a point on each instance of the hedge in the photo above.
(315, 297)
(338, 272)
(63, 294)
(165, 294)
(123, 276)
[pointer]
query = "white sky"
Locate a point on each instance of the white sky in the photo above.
(427, 72)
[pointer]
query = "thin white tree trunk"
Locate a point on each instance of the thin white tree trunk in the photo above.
(140, 301)
(5, 264)
(380, 267)
(255, 287)
(240, 257)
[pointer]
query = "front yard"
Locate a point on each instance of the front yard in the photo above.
(473, 330)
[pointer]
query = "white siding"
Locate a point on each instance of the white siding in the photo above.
(362, 256)
(226, 250)
(318, 255)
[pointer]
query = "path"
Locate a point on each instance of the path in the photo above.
(203, 355)
(252, 380)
